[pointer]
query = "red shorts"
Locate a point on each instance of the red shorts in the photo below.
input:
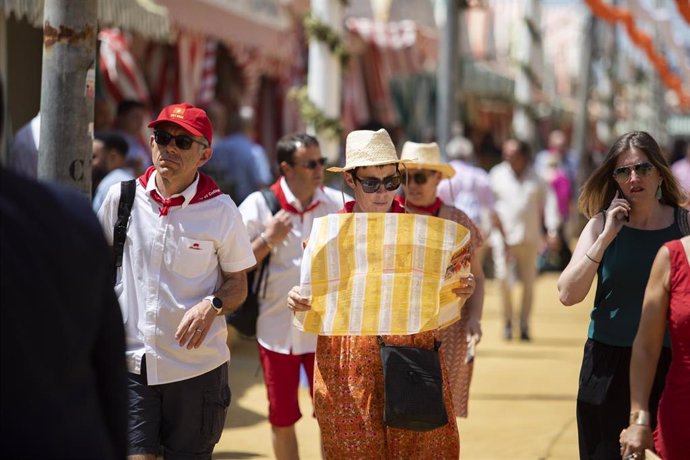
(281, 374)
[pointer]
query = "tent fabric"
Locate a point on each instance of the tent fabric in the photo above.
(122, 76)
(263, 42)
(384, 51)
(143, 16)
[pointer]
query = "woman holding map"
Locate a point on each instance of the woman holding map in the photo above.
(424, 170)
(348, 377)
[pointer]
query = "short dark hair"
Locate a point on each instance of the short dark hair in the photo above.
(287, 145)
(112, 141)
(127, 105)
(524, 148)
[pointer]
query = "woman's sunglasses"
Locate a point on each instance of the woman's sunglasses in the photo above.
(372, 185)
(419, 177)
(311, 164)
(182, 141)
(623, 173)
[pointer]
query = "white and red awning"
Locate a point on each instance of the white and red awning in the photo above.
(260, 34)
(412, 47)
(382, 51)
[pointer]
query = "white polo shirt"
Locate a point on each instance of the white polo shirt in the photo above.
(170, 263)
(274, 329)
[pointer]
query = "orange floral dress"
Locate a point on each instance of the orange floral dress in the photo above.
(348, 403)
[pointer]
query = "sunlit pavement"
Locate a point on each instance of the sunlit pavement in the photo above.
(522, 401)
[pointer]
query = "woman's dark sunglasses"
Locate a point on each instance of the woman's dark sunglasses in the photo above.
(372, 185)
(182, 141)
(419, 177)
(623, 173)
(311, 164)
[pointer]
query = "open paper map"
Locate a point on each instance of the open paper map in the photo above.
(382, 274)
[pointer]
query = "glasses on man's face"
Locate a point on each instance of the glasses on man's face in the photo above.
(623, 173)
(311, 164)
(372, 184)
(419, 177)
(182, 141)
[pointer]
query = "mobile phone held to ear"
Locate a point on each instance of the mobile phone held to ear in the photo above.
(622, 195)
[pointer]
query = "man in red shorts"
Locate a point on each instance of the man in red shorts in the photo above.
(283, 349)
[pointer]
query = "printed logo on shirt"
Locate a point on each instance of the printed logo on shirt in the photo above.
(195, 246)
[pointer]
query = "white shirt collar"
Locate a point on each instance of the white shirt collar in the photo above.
(187, 193)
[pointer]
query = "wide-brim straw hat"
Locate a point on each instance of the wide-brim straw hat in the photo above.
(425, 156)
(368, 148)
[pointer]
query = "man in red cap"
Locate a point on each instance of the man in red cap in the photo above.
(182, 269)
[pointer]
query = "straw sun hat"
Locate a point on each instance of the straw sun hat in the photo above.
(368, 148)
(425, 156)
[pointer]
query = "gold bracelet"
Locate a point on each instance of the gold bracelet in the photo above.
(640, 417)
(265, 240)
(595, 261)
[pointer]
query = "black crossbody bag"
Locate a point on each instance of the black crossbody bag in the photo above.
(413, 387)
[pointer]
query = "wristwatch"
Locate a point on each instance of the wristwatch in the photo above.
(216, 303)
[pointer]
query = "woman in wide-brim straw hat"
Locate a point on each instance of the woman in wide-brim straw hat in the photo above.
(367, 155)
(348, 375)
(424, 171)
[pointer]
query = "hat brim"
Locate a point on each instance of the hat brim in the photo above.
(181, 124)
(366, 164)
(447, 171)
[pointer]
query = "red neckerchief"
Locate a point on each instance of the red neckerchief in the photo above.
(396, 208)
(166, 202)
(432, 210)
(205, 189)
(278, 191)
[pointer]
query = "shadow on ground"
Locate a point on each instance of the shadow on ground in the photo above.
(522, 397)
(244, 373)
(222, 455)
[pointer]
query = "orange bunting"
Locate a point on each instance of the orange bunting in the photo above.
(641, 39)
(684, 8)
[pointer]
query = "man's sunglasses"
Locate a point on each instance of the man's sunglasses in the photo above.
(182, 141)
(372, 185)
(311, 164)
(623, 173)
(419, 177)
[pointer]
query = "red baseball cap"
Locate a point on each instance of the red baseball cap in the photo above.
(191, 118)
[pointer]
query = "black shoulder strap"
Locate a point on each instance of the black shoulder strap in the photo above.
(271, 200)
(274, 206)
(682, 220)
(124, 209)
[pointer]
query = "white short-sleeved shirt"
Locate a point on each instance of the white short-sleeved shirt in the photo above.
(520, 202)
(170, 263)
(274, 329)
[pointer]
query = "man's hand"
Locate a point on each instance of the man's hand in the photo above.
(195, 324)
(278, 227)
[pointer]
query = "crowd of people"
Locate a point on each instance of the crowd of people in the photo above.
(193, 222)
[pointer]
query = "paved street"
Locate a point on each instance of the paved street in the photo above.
(522, 401)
